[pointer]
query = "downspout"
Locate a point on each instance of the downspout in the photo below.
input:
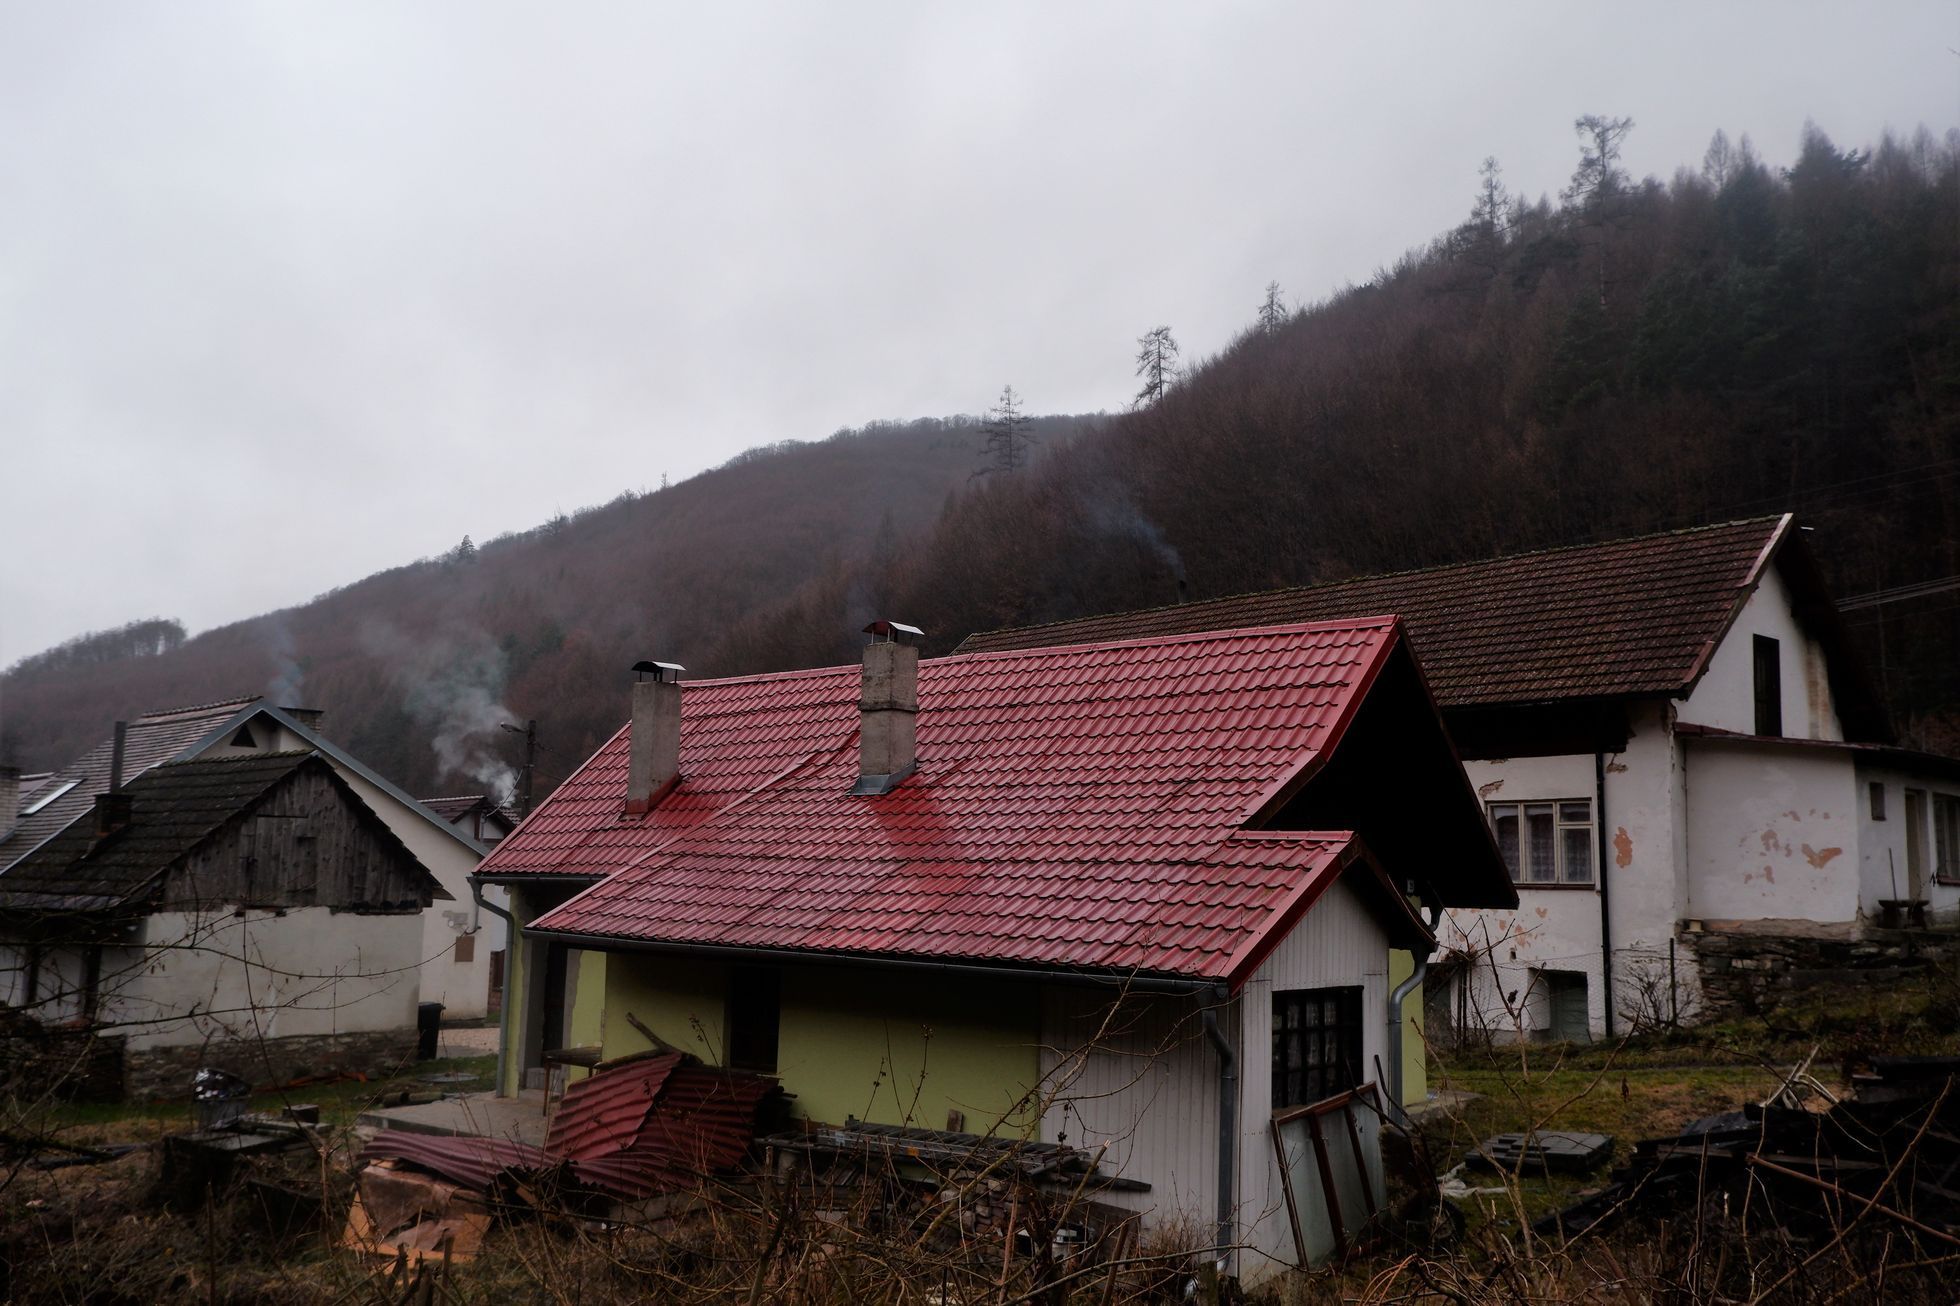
(1395, 1001)
(1605, 897)
(510, 951)
(1228, 1125)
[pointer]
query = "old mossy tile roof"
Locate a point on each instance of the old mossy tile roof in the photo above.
(153, 739)
(173, 810)
(1099, 807)
(1627, 617)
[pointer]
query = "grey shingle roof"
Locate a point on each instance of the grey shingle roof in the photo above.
(1628, 617)
(174, 808)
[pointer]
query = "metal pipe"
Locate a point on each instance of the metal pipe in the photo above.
(1605, 897)
(794, 957)
(1228, 1125)
(510, 950)
(1395, 1001)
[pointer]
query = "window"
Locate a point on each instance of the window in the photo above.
(1545, 843)
(1877, 788)
(465, 949)
(1946, 838)
(53, 792)
(1316, 1044)
(755, 1013)
(1769, 686)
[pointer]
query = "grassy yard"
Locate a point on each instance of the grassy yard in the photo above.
(339, 1103)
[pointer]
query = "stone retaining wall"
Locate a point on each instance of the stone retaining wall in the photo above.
(1742, 973)
(164, 1074)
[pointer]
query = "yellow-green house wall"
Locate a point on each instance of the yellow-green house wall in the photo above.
(880, 1045)
(1415, 1054)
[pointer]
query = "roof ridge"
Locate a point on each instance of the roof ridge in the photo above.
(198, 709)
(1768, 520)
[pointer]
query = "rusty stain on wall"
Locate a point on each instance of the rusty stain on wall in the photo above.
(1820, 856)
(1623, 848)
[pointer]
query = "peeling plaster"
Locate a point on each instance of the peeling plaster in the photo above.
(1616, 768)
(1623, 849)
(1486, 790)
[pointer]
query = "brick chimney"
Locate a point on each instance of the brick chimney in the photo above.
(888, 707)
(9, 798)
(654, 763)
(112, 810)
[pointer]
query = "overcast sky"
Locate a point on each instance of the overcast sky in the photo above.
(290, 293)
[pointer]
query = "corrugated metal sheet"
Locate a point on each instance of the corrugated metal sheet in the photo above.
(1074, 807)
(604, 1113)
(1625, 617)
(629, 1131)
(461, 1158)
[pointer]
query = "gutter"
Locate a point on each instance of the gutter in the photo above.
(1605, 896)
(1395, 1001)
(1228, 1111)
(511, 931)
(796, 957)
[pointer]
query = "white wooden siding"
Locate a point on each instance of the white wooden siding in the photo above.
(1148, 1086)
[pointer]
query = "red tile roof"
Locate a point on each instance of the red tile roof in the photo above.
(1628, 617)
(1090, 807)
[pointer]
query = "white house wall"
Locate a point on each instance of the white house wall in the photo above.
(224, 976)
(1148, 1089)
(1340, 943)
(1559, 929)
(1882, 843)
(1725, 697)
(462, 987)
(1772, 838)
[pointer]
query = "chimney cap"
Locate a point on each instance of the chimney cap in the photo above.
(665, 672)
(894, 632)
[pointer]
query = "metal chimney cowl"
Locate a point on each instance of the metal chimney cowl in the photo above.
(888, 707)
(654, 758)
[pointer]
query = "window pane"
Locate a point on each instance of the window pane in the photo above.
(1577, 848)
(1580, 813)
(1540, 858)
(1504, 820)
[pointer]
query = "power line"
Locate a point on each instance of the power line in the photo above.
(1900, 593)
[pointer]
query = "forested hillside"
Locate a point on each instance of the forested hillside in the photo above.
(1740, 339)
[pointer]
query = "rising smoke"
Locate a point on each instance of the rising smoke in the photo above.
(452, 689)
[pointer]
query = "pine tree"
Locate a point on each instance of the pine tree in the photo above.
(1156, 364)
(1272, 313)
(1008, 435)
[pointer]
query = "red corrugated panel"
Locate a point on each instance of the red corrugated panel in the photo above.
(602, 1114)
(631, 1131)
(1073, 807)
(465, 1159)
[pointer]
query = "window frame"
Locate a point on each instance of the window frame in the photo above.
(1345, 1071)
(1560, 825)
(1766, 657)
(1946, 868)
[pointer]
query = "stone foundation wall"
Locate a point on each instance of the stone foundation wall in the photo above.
(1743, 973)
(164, 1074)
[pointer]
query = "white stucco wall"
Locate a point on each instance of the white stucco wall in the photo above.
(1725, 697)
(1772, 836)
(1560, 929)
(224, 975)
(1882, 867)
